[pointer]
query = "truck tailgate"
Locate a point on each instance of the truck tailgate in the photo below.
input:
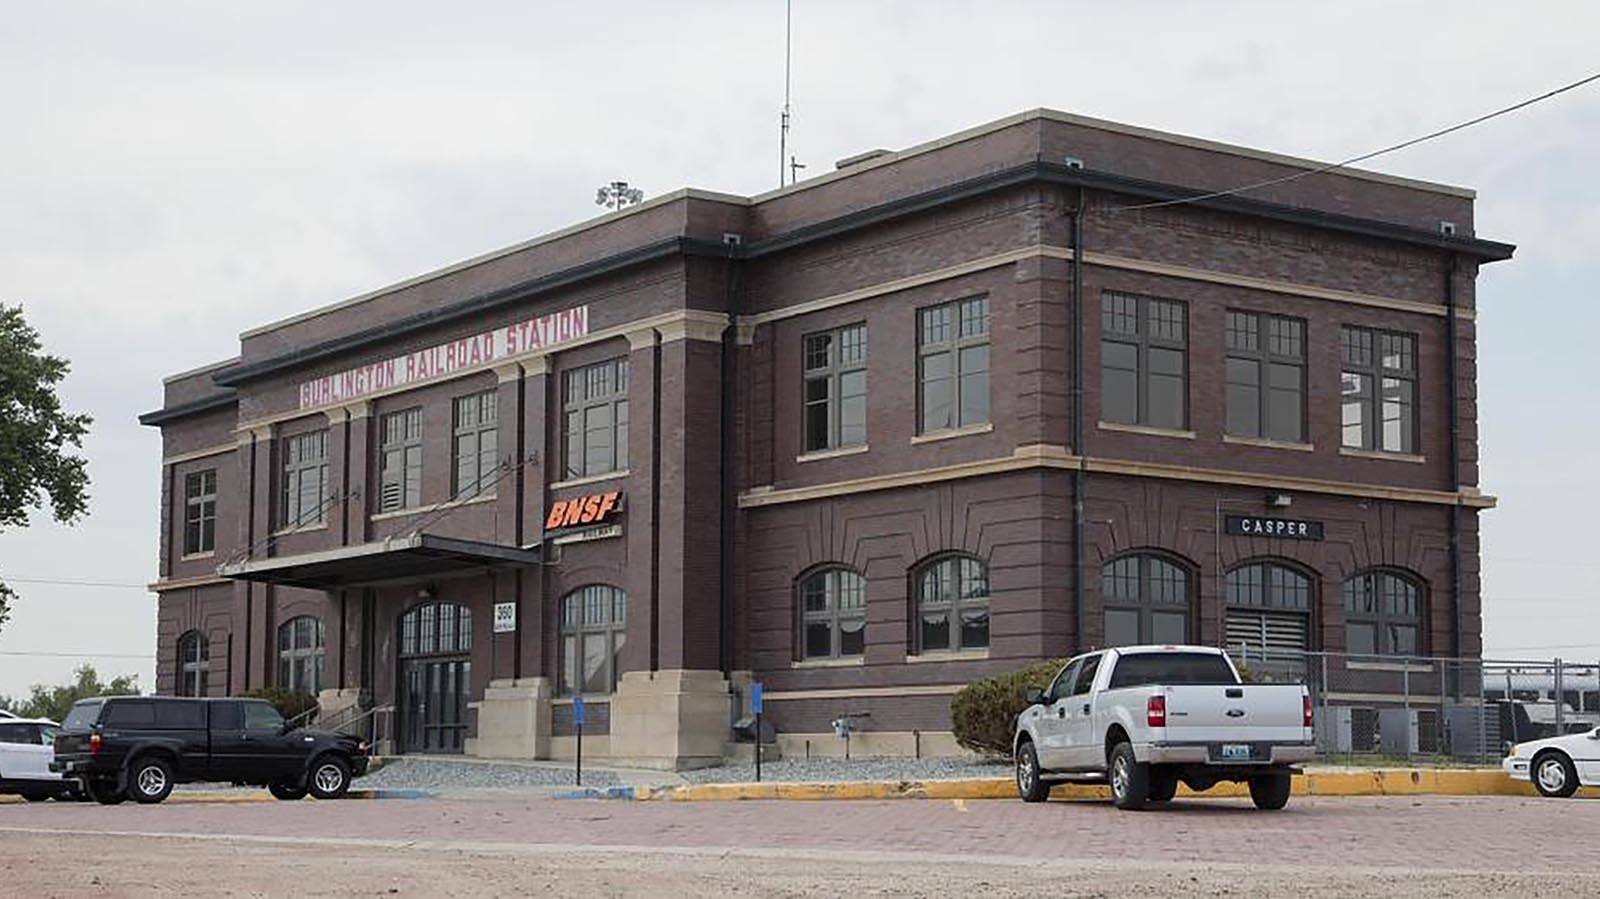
(1243, 714)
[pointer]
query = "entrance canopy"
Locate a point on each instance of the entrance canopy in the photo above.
(393, 559)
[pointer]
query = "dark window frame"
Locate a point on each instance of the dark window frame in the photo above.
(194, 664)
(950, 574)
(1267, 348)
(290, 657)
(1375, 586)
(200, 512)
(423, 630)
(400, 460)
(581, 396)
(1146, 601)
(591, 612)
(843, 592)
(1365, 353)
(475, 444)
(828, 359)
(1145, 342)
(954, 330)
(1283, 589)
(305, 465)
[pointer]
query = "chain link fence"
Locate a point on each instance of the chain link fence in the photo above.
(1426, 710)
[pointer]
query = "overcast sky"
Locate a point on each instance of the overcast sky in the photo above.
(174, 173)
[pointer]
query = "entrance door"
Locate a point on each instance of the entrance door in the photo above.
(435, 677)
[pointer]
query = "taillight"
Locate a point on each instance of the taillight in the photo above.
(94, 742)
(1306, 704)
(1155, 711)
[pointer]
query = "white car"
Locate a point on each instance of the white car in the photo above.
(6, 714)
(1557, 765)
(26, 749)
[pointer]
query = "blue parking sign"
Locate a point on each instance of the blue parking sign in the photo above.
(755, 698)
(577, 710)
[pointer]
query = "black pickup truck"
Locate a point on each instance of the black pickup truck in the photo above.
(137, 747)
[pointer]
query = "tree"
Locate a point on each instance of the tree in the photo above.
(53, 702)
(34, 436)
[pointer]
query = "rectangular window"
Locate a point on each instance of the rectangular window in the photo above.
(1144, 361)
(1266, 376)
(595, 435)
(305, 479)
(200, 511)
(476, 451)
(1378, 377)
(836, 388)
(953, 365)
(400, 466)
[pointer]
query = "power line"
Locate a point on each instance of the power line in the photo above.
(78, 655)
(58, 582)
(1365, 156)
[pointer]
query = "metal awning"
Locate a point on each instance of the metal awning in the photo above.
(393, 559)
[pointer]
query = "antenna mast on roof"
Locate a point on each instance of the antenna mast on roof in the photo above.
(783, 118)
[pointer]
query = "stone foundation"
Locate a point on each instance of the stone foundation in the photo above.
(670, 719)
(513, 720)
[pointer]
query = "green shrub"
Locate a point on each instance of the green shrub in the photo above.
(983, 712)
(290, 703)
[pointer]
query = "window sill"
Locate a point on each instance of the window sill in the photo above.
(1146, 430)
(1268, 443)
(819, 455)
(849, 662)
(1381, 454)
(194, 557)
(301, 529)
(953, 433)
(949, 655)
(420, 510)
(591, 479)
(1388, 666)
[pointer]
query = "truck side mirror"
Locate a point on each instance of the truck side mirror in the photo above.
(1033, 696)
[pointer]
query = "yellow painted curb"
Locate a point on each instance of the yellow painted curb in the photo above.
(1374, 782)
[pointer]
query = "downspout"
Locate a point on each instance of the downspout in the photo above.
(520, 511)
(1453, 454)
(726, 455)
(1080, 474)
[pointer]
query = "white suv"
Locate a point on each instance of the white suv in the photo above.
(26, 749)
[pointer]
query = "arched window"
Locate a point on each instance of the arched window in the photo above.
(953, 604)
(194, 664)
(436, 628)
(833, 614)
(1383, 614)
(594, 622)
(1146, 600)
(1269, 613)
(300, 654)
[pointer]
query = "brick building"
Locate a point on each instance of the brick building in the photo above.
(931, 416)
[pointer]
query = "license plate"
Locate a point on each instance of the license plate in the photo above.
(1236, 751)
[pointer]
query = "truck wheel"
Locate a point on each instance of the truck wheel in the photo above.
(330, 777)
(1163, 785)
(37, 795)
(1554, 776)
(1270, 792)
(105, 792)
(286, 792)
(149, 780)
(1030, 777)
(1130, 779)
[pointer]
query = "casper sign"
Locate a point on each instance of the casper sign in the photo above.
(447, 359)
(1282, 528)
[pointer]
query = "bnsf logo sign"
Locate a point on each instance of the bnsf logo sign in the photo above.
(595, 507)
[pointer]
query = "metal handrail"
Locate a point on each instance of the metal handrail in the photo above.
(309, 715)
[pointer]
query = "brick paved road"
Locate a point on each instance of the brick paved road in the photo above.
(1462, 834)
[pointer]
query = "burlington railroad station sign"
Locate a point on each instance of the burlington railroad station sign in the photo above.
(1283, 528)
(447, 359)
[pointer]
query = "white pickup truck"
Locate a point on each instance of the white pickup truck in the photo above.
(1145, 718)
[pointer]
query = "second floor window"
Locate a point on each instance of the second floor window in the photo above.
(200, 512)
(305, 479)
(476, 444)
(400, 474)
(1266, 377)
(1378, 379)
(1144, 361)
(953, 365)
(595, 436)
(836, 388)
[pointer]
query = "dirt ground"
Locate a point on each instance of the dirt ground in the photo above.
(109, 865)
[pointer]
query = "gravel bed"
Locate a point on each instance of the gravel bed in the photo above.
(827, 770)
(439, 774)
